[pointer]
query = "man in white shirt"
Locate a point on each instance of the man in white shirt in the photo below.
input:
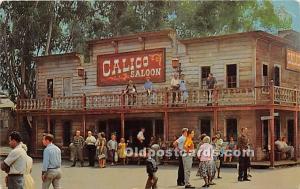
(175, 87)
(141, 138)
(90, 142)
(15, 163)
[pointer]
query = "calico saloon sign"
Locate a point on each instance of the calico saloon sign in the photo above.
(116, 69)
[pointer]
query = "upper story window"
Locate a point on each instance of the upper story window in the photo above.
(50, 88)
(67, 90)
(265, 75)
(205, 70)
(231, 75)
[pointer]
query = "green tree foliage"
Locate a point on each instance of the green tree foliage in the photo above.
(35, 28)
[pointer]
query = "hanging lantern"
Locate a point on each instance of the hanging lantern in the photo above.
(80, 71)
(175, 62)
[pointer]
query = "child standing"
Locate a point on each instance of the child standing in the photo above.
(113, 147)
(151, 170)
(122, 151)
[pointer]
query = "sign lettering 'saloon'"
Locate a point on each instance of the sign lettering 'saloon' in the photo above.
(114, 69)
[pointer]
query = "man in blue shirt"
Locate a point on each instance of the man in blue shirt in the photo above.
(179, 143)
(51, 172)
(148, 87)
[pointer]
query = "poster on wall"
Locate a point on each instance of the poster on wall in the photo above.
(119, 68)
(293, 60)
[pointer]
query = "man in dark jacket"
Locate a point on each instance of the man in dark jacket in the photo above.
(244, 159)
(151, 170)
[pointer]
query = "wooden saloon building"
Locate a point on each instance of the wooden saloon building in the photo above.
(258, 82)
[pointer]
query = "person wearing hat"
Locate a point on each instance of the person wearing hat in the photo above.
(175, 87)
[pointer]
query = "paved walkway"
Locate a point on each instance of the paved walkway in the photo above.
(134, 177)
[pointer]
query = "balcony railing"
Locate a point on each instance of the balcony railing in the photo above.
(166, 98)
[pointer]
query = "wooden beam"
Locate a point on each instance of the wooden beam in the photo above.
(296, 134)
(48, 123)
(84, 124)
(272, 152)
(215, 122)
(122, 125)
(166, 126)
(153, 127)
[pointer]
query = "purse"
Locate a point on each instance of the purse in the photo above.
(116, 156)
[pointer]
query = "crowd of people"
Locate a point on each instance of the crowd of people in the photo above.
(209, 152)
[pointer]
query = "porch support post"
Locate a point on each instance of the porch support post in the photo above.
(166, 126)
(48, 123)
(106, 128)
(272, 152)
(215, 122)
(84, 124)
(122, 125)
(153, 127)
(18, 121)
(296, 134)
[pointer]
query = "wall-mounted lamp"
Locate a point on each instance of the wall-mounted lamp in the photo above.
(81, 73)
(175, 63)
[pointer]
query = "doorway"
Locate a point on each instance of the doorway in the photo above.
(205, 127)
(231, 129)
(67, 125)
(265, 134)
(277, 76)
(290, 132)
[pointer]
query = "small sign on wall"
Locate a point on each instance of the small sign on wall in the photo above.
(116, 69)
(293, 60)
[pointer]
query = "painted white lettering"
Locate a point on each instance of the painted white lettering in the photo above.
(145, 61)
(116, 66)
(138, 63)
(152, 72)
(147, 72)
(157, 71)
(106, 63)
(131, 63)
(132, 74)
(125, 69)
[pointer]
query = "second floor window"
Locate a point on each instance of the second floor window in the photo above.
(205, 70)
(265, 77)
(231, 75)
(50, 88)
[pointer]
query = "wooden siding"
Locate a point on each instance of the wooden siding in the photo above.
(57, 71)
(275, 54)
(218, 54)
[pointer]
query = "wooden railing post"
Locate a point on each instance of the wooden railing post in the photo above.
(84, 102)
(123, 99)
(272, 91)
(166, 99)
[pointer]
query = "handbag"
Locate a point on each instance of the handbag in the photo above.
(116, 156)
(101, 156)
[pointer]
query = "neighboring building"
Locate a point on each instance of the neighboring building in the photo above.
(6, 118)
(243, 63)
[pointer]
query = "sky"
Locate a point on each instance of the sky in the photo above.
(293, 8)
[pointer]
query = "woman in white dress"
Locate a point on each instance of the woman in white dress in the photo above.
(28, 180)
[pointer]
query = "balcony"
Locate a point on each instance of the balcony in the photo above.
(166, 99)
